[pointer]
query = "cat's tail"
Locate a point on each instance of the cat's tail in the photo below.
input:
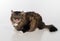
(51, 28)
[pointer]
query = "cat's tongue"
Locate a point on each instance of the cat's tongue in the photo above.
(17, 20)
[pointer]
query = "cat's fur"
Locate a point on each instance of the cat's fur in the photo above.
(29, 21)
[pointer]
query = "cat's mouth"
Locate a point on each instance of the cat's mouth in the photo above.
(16, 20)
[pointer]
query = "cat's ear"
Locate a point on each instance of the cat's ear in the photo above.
(12, 11)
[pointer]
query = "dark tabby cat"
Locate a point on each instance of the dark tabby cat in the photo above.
(29, 21)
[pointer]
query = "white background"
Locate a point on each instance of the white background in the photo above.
(48, 9)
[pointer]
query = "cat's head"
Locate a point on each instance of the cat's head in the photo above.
(16, 17)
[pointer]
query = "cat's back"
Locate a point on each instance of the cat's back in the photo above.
(32, 14)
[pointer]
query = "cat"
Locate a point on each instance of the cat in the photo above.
(29, 21)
